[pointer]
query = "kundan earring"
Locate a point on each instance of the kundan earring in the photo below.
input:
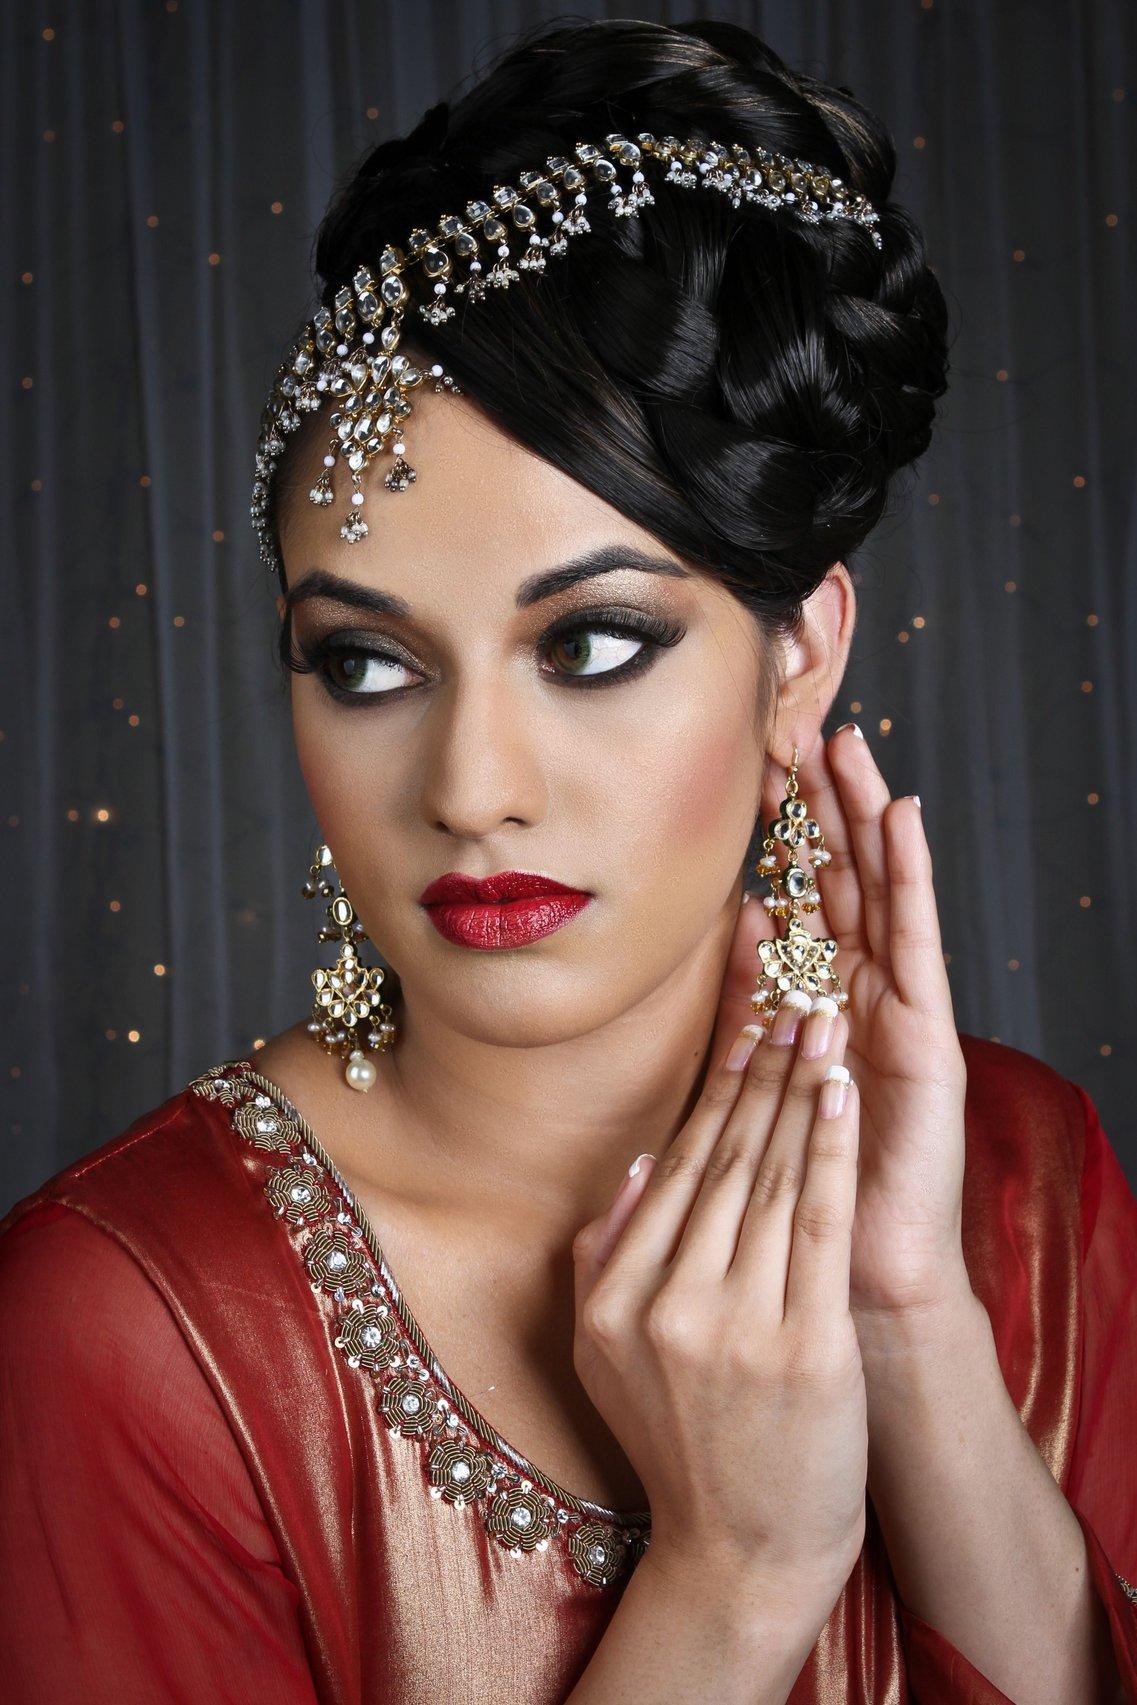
(348, 1011)
(796, 967)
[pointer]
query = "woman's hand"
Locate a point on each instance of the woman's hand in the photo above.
(713, 1331)
(878, 903)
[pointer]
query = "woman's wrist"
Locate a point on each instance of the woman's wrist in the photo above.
(755, 1626)
(682, 1633)
(749, 1592)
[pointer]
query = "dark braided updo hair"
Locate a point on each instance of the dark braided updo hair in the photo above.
(739, 382)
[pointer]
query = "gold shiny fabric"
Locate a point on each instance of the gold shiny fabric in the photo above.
(209, 1501)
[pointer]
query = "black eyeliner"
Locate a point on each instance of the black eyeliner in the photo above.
(618, 621)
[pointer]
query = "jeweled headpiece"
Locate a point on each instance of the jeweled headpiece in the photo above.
(351, 355)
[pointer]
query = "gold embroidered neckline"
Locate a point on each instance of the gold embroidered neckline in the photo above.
(521, 1506)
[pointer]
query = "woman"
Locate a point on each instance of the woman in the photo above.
(856, 1323)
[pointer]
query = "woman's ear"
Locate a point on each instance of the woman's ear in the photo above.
(815, 660)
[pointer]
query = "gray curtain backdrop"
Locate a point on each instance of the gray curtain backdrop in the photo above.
(165, 166)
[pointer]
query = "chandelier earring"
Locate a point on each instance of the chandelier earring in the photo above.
(797, 968)
(349, 1015)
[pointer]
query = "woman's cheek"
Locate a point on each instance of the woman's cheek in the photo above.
(705, 800)
(683, 825)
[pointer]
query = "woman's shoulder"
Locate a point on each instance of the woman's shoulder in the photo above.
(130, 1491)
(178, 1190)
(172, 1216)
(84, 1256)
(175, 1146)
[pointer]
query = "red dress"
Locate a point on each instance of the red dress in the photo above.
(233, 1470)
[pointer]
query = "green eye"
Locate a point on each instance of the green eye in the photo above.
(364, 673)
(591, 651)
(601, 648)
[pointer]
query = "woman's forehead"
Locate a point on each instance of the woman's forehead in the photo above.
(487, 511)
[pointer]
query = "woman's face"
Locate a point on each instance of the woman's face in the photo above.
(494, 726)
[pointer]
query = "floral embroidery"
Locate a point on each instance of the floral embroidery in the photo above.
(297, 1193)
(1127, 1589)
(218, 1085)
(521, 1519)
(598, 1550)
(407, 1405)
(260, 1121)
(335, 1262)
(417, 1401)
(368, 1336)
(459, 1472)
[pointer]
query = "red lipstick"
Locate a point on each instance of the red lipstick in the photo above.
(507, 909)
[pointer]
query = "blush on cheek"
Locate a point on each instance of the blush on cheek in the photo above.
(332, 780)
(704, 796)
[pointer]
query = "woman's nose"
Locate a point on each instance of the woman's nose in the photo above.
(482, 763)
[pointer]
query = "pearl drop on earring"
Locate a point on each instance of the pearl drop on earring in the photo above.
(359, 1071)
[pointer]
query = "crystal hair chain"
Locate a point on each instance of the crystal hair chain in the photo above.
(352, 355)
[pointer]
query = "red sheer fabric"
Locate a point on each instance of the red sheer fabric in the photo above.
(201, 1501)
(1101, 1481)
(136, 1561)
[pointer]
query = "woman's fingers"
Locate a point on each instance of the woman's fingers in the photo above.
(767, 1228)
(763, 1141)
(623, 1207)
(817, 1284)
(740, 975)
(593, 1245)
(765, 1234)
(793, 1202)
(654, 1229)
(864, 797)
(915, 947)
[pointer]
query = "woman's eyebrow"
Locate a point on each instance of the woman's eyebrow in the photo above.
(606, 559)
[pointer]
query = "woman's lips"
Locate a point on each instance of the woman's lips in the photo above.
(510, 923)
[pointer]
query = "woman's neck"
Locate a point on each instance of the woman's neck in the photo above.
(548, 1131)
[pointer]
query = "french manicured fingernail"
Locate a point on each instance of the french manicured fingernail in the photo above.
(743, 1046)
(854, 726)
(627, 1185)
(818, 1027)
(834, 1092)
(916, 798)
(794, 1005)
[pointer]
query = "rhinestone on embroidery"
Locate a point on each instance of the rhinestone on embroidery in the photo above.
(334, 1261)
(297, 1193)
(260, 1121)
(459, 1473)
(521, 1520)
(347, 1267)
(217, 1085)
(407, 1405)
(367, 1336)
(599, 1551)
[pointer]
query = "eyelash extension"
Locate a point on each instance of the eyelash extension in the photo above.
(618, 622)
